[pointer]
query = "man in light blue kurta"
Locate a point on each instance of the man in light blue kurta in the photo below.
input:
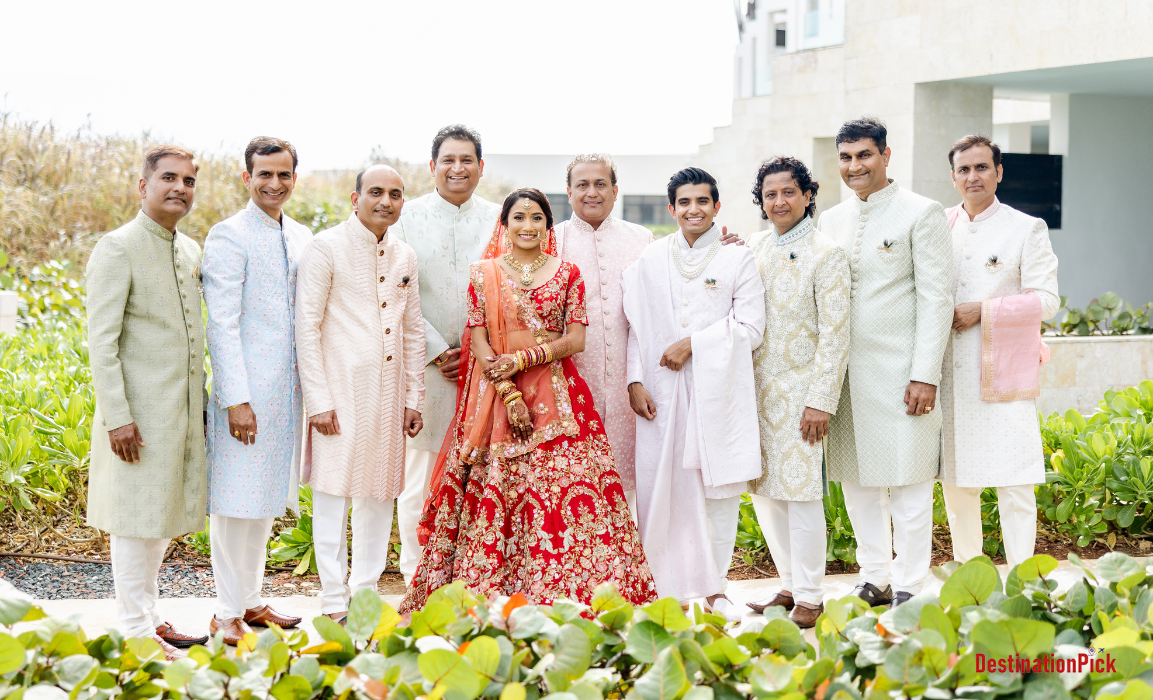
(449, 229)
(249, 273)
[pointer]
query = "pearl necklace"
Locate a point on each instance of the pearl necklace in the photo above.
(526, 270)
(696, 270)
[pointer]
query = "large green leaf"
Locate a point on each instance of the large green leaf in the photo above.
(1014, 636)
(453, 671)
(784, 636)
(434, 618)
(903, 665)
(572, 651)
(77, 672)
(328, 628)
(971, 584)
(667, 613)
(665, 679)
(646, 640)
(772, 674)
(1035, 567)
(14, 604)
(934, 618)
(11, 654)
(1114, 567)
(726, 651)
(363, 615)
(291, 687)
(484, 655)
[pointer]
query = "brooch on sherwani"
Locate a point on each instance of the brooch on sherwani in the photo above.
(993, 263)
(711, 286)
(403, 281)
(885, 250)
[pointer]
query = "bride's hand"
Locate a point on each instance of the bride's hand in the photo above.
(499, 368)
(519, 419)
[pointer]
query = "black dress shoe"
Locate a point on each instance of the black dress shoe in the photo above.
(901, 597)
(872, 595)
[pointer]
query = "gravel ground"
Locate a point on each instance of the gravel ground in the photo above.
(51, 580)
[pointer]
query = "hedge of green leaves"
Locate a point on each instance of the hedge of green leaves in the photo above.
(460, 647)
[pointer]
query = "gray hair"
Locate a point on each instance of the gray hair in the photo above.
(603, 158)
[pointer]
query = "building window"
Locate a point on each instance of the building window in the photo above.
(1032, 184)
(824, 23)
(561, 209)
(780, 35)
(647, 210)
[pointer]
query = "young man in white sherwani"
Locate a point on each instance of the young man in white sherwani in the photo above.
(799, 371)
(602, 246)
(696, 311)
(448, 228)
(884, 442)
(997, 252)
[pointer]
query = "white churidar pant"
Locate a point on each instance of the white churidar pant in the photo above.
(239, 550)
(888, 518)
(1018, 509)
(418, 466)
(135, 565)
(371, 530)
(795, 532)
(723, 515)
(631, 499)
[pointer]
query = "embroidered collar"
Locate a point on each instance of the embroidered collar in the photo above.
(262, 217)
(985, 215)
(880, 195)
(796, 233)
(153, 227)
(582, 225)
(704, 241)
(448, 206)
(362, 231)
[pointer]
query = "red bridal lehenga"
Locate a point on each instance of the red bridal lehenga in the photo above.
(545, 517)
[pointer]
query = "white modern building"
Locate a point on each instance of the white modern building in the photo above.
(642, 179)
(1065, 87)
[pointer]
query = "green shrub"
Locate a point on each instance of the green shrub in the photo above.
(460, 647)
(1105, 315)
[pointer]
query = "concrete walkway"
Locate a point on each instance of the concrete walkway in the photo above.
(191, 615)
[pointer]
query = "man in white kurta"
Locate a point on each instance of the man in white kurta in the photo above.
(360, 341)
(885, 440)
(696, 312)
(602, 246)
(255, 416)
(997, 252)
(448, 228)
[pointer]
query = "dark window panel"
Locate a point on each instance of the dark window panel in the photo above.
(1032, 184)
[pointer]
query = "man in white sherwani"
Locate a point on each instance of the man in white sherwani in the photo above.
(448, 228)
(884, 442)
(602, 246)
(799, 371)
(696, 312)
(360, 339)
(249, 277)
(999, 253)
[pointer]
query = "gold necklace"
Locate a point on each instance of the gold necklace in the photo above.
(526, 270)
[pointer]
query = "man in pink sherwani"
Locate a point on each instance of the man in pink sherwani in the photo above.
(602, 246)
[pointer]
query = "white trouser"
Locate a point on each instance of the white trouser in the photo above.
(418, 466)
(795, 531)
(371, 529)
(1018, 509)
(135, 565)
(239, 548)
(723, 515)
(892, 518)
(631, 499)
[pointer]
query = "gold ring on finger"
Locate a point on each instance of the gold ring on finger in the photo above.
(236, 433)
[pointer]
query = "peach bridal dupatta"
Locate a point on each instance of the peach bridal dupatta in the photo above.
(1012, 351)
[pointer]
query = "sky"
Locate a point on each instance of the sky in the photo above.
(339, 78)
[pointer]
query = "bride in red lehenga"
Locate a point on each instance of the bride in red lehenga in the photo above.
(525, 496)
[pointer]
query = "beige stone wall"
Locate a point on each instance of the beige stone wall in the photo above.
(1081, 370)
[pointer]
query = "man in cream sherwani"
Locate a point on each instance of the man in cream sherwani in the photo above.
(885, 440)
(997, 252)
(448, 228)
(696, 311)
(360, 340)
(799, 371)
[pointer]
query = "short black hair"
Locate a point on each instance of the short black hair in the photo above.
(800, 173)
(692, 176)
(459, 132)
(266, 146)
(864, 128)
(967, 142)
(526, 193)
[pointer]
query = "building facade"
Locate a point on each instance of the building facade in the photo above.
(1065, 87)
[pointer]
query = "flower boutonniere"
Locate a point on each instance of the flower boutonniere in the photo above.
(993, 263)
(403, 282)
(711, 286)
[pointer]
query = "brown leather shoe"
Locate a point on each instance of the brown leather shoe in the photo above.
(783, 600)
(171, 653)
(234, 629)
(805, 616)
(260, 617)
(178, 639)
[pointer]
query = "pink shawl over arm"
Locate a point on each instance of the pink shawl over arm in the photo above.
(1011, 349)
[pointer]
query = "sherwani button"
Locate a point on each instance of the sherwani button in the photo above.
(608, 342)
(601, 254)
(604, 267)
(957, 363)
(606, 312)
(604, 296)
(684, 302)
(864, 217)
(968, 255)
(388, 358)
(608, 327)
(381, 279)
(387, 331)
(381, 253)
(604, 281)
(598, 236)
(684, 324)
(383, 304)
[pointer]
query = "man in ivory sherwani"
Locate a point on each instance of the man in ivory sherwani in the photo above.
(1006, 284)
(696, 311)
(884, 442)
(360, 341)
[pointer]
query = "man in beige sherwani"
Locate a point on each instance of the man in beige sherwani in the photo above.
(998, 252)
(884, 442)
(147, 482)
(360, 346)
(798, 370)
